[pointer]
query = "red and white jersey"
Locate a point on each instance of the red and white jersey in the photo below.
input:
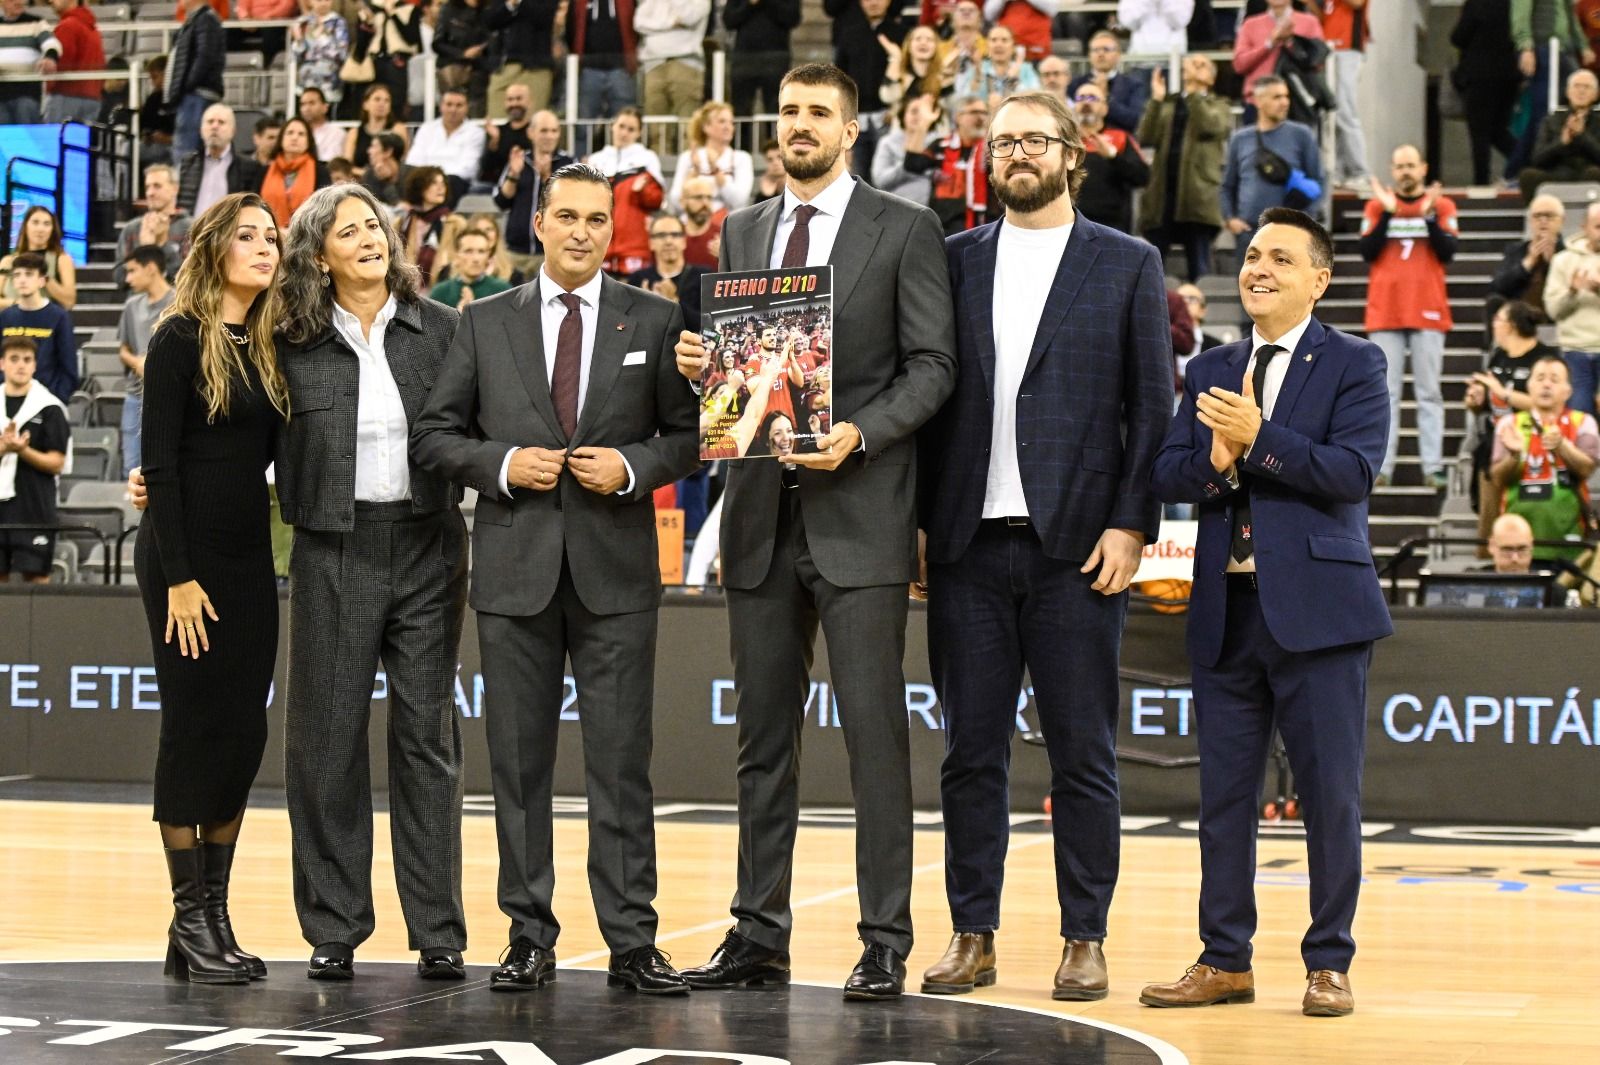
(1406, 283)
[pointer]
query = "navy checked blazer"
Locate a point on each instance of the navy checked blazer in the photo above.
(1093, 405)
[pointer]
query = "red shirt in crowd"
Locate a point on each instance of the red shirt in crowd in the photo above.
(1405, 288)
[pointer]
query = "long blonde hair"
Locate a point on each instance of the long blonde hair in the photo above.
(198, 295)
(488, 223)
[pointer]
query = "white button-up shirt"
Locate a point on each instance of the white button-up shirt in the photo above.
(830, 204)
(382, 430)
(1277, 370)
(457, 153)
(213, 180)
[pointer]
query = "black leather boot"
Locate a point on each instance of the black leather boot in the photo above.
(193, 950)
(218, 866)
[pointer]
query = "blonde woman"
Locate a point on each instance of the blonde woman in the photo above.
(488, 223)
(214, 402)
(712, 154)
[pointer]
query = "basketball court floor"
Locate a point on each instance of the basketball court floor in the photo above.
(1475, 945)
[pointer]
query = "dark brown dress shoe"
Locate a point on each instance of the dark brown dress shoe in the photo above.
(1081, 976)
(1202, 985)
(1327, 994)
(739, 962)
(968, 962)
(647, 971)
(524, 967)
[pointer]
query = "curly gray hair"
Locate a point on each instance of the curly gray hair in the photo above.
(307, 302)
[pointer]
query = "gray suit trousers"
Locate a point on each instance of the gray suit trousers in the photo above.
(613, 665)
(774, 631)
(391, 590)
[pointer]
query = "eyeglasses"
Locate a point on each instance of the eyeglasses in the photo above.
(1547, 216)
(1513, 549)
(1087, 97)
(674, 234)
(1003, 147)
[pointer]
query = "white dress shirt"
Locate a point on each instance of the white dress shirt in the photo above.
(830, 204)
(457, 154)
(552, 312)
(382, 430)
(330, 142)
(1277, 370)
(1025, 270)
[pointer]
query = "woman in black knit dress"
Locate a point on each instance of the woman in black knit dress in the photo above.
(214, 401)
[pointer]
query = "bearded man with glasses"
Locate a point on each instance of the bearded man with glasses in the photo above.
(1036, 507)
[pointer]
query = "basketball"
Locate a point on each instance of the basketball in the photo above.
(1168, 596)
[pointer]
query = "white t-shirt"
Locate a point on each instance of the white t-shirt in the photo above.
(1025, 268)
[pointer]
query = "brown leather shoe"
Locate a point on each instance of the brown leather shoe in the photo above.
(968, 962)
(1081, 977)
(1202, 985)
(1327, 994)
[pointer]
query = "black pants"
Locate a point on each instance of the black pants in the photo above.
(1489, 105)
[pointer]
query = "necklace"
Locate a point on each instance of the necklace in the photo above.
(240, 336)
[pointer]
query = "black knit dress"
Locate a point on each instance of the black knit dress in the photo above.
(207, 521)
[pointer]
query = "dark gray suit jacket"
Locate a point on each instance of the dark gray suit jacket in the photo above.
(493, 394)
(894, 364)
(316, 459)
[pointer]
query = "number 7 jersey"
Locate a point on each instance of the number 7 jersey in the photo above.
(1406, 281)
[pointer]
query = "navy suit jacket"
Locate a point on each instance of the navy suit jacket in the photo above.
(1093, 403)
(1310, 472)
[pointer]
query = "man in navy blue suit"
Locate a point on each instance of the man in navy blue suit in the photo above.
(1286, 602)
(1036, 505)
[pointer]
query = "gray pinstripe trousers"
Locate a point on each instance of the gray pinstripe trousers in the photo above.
(393, 591)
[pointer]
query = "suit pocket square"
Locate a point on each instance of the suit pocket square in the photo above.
(633, 358)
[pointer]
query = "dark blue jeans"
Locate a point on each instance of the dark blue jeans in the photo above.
(1003, 607)
(1584, 367)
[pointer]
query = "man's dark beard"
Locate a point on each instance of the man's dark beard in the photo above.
(812, 166)
(1052, 184)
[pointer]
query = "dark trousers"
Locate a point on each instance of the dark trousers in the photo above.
(1317, 701)
(613, 665)
(756, 72)
(774, 632)
(1005, 606)
(1488, 106)
(392, 590)
(1539, 95)
(1196, 240)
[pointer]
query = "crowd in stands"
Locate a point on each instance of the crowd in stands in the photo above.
(1168, 161)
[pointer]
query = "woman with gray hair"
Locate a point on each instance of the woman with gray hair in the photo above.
(378, 576)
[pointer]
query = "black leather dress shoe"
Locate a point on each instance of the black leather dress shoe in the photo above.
(441, 963)
(881, 973)
(332, 961)
(646, 970)
(524, 967)
(739, 962)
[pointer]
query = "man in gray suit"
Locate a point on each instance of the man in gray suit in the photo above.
(560, 403)
(833, 541)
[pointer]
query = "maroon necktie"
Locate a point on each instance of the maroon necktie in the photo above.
(794, 253)
(569, 362)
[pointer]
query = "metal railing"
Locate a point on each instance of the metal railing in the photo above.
(75, 529)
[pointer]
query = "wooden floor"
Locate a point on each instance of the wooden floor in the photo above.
(1464, 971)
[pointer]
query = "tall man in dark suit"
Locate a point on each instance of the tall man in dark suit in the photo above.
(834, 540)
(1286, 602)
(1038, 504)
(560, 402)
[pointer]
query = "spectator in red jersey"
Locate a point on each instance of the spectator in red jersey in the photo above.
(1261, 40)
(961, 182)
(1028, 21)
(1344, 27)
(702, 222)
(1409, 234)
(636, 182)
(74, 45)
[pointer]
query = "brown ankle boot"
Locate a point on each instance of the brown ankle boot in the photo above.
(1081, 977)
(968, 962)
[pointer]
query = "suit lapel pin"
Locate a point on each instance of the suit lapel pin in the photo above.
(1308, 356)
(622, 325)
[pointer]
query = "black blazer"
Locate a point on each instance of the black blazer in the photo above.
(520, 207)
(316, 463)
